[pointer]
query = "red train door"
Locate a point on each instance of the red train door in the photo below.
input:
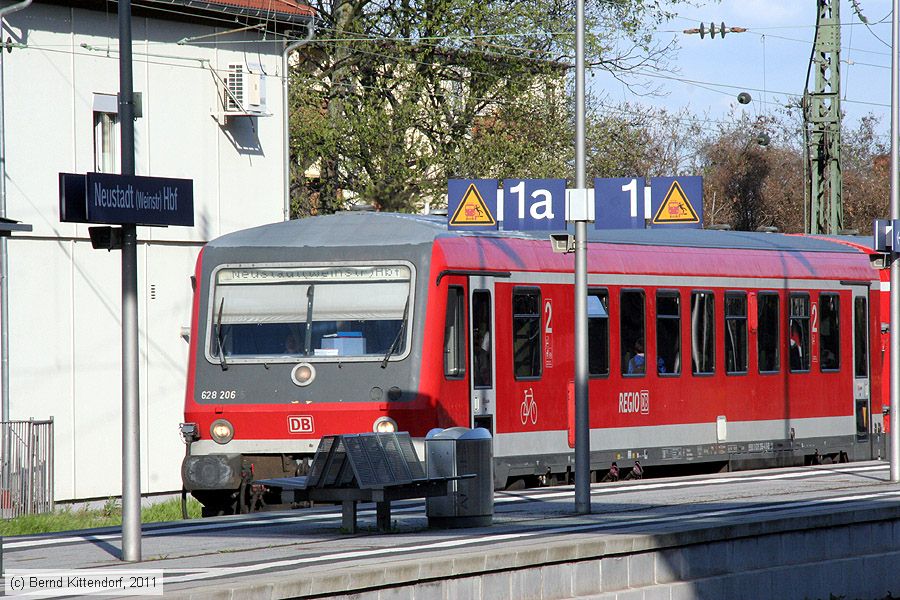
(868, 426)
(483, 394)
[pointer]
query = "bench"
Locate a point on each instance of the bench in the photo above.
(364, 467)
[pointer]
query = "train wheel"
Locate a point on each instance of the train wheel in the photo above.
(216, 503)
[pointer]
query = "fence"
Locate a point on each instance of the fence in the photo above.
(26, 478)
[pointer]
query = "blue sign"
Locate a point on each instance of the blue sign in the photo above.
(534, 204)
(472, 204)
(677, 201)
(139, 200)
(619, 203)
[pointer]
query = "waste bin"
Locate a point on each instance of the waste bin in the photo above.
(461, 451)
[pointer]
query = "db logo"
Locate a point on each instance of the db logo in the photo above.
(300, 424)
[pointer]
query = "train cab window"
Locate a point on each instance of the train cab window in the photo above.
(279, 313)
(598, 332)
(860, 337)
(455, 334)
(527, 333)
(668, 333)
(829, 332)
(798, 333)
(767, 337)
(631, 321)
(735, 333)
(703, 333)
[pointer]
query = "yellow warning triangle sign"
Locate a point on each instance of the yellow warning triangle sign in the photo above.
(676, 208)
(472, 210)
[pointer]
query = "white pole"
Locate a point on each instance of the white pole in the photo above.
(895, 263)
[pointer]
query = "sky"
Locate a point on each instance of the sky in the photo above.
(769, 61)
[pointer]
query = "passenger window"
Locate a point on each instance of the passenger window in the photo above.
(798, 333)
(703, 333)
(768, 325)
(454, 334)
(735, 333)
(668, 333)
(860, 337)
(829, 332)
(631, 320)
(598, 332)
(527, 333)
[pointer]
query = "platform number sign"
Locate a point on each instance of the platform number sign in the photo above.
(621, 203)
(534, 204)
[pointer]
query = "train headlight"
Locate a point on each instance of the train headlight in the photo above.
(384, 425)
(303, 374)
(221, 431)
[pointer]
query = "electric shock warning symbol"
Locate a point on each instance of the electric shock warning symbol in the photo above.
(676, 208)
(473, 210)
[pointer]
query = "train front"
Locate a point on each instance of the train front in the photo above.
(300, 330)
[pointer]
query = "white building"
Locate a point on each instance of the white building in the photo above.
(60, 85)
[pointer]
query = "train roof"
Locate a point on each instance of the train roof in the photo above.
(377, 229)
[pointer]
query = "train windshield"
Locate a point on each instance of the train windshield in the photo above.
(329, 312)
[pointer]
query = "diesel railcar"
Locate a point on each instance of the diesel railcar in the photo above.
(705, 347)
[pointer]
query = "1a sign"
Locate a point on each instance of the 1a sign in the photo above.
(534, 204)
(472, 204)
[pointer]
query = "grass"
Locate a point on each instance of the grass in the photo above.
(69, 518)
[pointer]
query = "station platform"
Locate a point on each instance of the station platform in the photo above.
(812, 532)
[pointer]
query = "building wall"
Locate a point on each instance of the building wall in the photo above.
(65, 297)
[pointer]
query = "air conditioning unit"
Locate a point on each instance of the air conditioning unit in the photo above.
(245, 91)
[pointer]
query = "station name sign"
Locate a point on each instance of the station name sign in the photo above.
(125, 199)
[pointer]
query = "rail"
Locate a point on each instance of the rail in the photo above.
(26, 477)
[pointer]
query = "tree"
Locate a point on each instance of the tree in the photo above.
(395, 96)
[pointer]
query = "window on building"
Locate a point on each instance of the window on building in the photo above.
(860, 337)
(668, 333)
(798, 333)
(829, 332)
(768, 325)
(598, 332)
(527, 333)
(106, 142)
(735, 332)
(454, 333)
(631, 318)
(703, 333)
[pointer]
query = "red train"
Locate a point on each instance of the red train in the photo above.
(732, 349)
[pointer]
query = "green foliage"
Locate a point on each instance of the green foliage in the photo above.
(110, 515)
(392, 98)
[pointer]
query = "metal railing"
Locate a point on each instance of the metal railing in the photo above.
(26, 478)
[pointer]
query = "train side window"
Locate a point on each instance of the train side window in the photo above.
(631, 322)
(860, 337)
(798, 333)
(735, 333)
(829, 332)
(668, 332)
(703, 333)
(768, 324)
(598, 332)
(455, 334)
(527, 333)
(481, 339)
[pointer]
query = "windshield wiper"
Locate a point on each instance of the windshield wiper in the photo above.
(307, 343)
(397, 339)
(220, 339)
